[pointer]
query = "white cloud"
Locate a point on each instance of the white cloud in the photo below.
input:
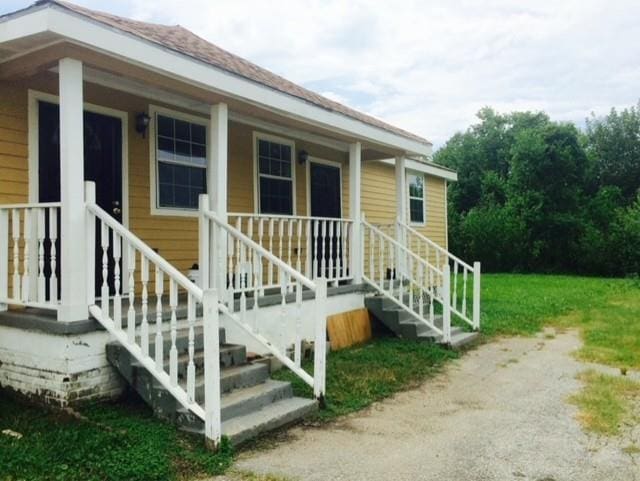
(428, 66)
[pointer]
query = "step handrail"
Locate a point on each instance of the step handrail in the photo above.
(458, 294)
(120, 251)
(433, 244)
(242, 261)
(428, 286)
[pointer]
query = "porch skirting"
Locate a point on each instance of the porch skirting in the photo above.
(56, 368)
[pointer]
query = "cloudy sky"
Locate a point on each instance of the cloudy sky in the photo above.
(426, 66)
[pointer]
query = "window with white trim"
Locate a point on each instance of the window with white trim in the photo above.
(275, 176)
(181, 162)
(416, 198)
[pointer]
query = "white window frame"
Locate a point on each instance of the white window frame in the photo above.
(410, 173)
(154, 110)
(257, 136)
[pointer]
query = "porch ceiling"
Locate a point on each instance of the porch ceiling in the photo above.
(30, 56)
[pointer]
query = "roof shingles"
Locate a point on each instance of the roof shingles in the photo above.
(181, 40)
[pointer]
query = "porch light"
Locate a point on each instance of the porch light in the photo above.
(142, 123)
(303, 156)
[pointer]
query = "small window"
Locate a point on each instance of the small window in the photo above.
(181, 154)
(416, 198)
(275, 177)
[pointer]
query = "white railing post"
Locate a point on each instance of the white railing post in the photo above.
(476, 295)
(320, 344)
(212, 429)
(4, 258)
(73, 262)
(401, 211)
(204, 250)
(90, 236)
(446, 303)
(355, 210)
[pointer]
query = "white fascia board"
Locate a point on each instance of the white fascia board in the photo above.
(24, 24)
(112, 41)
(429, 169)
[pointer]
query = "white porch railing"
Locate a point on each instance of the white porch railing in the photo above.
(251, 269)
(315, 246)
(29, 255)
(464, 279)
(407, 279)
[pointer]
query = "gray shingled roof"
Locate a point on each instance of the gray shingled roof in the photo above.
(181, 40)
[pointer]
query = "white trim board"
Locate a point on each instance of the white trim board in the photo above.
(331, 163)
(119, 44)
(429, 169)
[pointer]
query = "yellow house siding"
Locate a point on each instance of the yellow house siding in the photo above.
(379, 200)
(14, 168)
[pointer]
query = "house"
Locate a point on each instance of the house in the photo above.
(167, 207)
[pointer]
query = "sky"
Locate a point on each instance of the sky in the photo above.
(426, 66)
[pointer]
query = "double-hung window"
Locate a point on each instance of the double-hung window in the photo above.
(416, 198)
(275, 176)
(181, 162)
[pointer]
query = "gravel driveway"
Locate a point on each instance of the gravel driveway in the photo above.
(498, 413)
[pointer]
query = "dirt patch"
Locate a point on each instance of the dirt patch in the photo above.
(499, 413)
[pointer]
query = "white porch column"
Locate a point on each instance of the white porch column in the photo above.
(217, 190)
(355, 209)
(401, 209)
(73, 306)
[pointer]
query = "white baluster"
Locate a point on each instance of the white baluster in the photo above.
(299, 235)
(15, 233)
(381, 259)
(53, 237)
(338, 253)
(346, 269)
(41, 236)
(464, 291)
(455, 286)
(191, 366)
(372, 266)
(290, 239)
(432, 295)
(422, 289)
(283, 311)
(331, 275)
(257, 288)
(230, 254)
(316, 253)
(280, 245)
(117, 298)
(269, 264)
(104, 290)
(173, 351)
(309, 250)
(323, 238)
(131, 312)
(26, 287)
(297, 347)
(144, 326)
(159, 343)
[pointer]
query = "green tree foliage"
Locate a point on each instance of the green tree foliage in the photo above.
(538, 195)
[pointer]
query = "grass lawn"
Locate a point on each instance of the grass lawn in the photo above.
(125, 442)
(112, 442)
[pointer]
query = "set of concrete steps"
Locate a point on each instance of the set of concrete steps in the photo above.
(252, 403)
(406, 326)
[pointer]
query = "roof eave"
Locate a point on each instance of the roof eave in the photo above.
(79, 28)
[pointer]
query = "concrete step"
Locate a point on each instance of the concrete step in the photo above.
(240, 402)
(274, 416)
(463, 339)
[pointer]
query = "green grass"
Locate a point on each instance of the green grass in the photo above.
(121, 441)
(362, 375)
(607, 311)
(606, 402)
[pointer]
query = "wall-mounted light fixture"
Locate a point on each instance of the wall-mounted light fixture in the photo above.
(142, 123)
(303, 156)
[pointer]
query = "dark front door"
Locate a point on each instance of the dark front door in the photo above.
(326, 197)
(102, 164)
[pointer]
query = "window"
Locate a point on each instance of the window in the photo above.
(275, 176)
(416, 198)
(181, 154)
